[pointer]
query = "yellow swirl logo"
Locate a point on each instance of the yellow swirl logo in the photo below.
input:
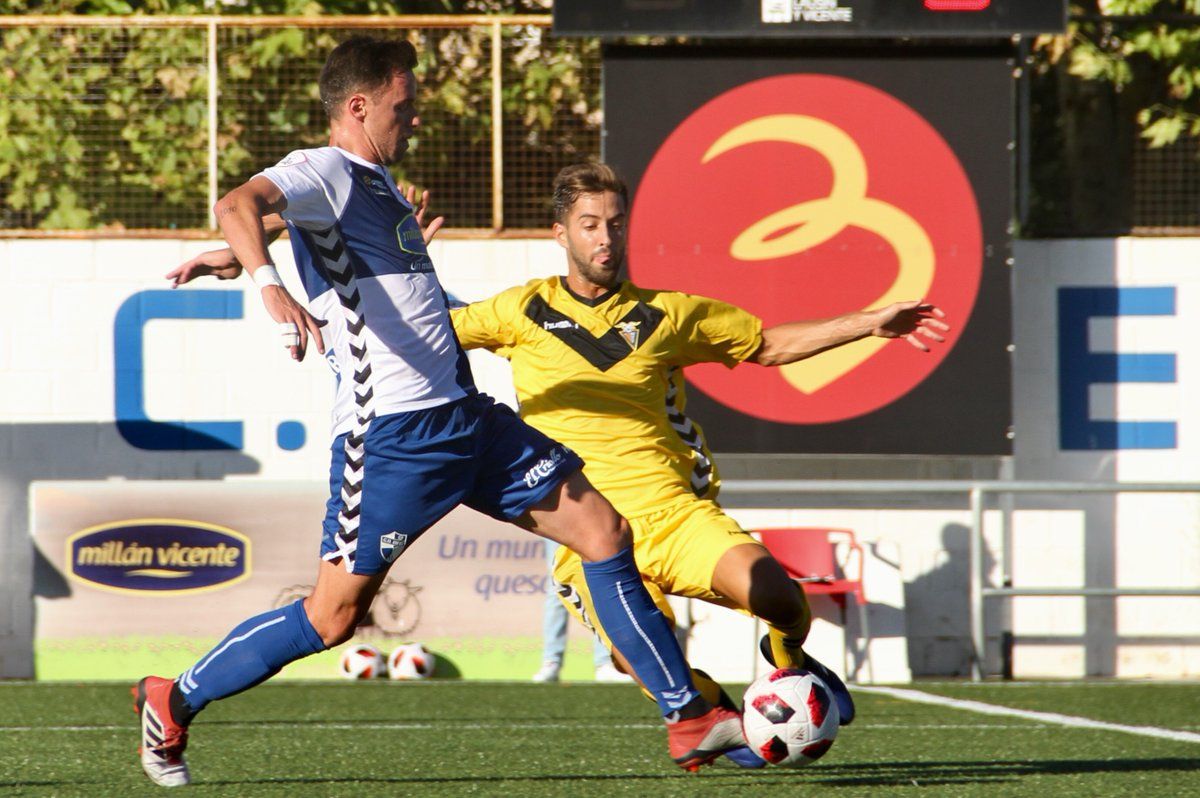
(805, 196)
(809, 224)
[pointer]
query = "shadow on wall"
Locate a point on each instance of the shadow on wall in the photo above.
(34, 452)
(98, 451)
(938, 607)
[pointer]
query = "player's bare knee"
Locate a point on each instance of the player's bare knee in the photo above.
(335, 625)
(624, 534)
(337, 630)
(606, 540)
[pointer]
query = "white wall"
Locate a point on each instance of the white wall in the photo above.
(1152, 289)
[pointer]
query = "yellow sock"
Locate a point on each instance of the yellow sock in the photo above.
(787, 642)
(707, 687)
(788, 651)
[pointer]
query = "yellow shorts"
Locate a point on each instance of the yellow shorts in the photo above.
(676, 550)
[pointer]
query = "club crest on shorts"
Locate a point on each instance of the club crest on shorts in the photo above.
(392, 545)
(629, 331)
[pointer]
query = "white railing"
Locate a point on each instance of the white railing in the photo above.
(977, 493)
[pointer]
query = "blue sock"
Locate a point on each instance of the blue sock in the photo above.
(639, 630)
(253, 652)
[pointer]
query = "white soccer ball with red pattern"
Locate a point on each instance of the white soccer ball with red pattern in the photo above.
(411, 661)
(790, 717)
(361, 661)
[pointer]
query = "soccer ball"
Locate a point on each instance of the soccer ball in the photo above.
(411, 661)
(361, 661)
(790, 717)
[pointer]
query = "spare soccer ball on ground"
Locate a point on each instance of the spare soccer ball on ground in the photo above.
(790, 717)
(411, 661)
(361, 661)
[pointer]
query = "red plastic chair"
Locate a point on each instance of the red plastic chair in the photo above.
(809, 555)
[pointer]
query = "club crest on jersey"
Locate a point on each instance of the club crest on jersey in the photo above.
(376, 185)
(392, 545)
(630, 332)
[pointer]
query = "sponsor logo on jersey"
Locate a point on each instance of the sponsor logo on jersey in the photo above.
(392, 545)
(559, 325)
(544, 468)
(411, 240)
(629, 331)
(409, 237)
(155, 556)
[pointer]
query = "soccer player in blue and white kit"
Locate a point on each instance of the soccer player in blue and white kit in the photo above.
(413, 437)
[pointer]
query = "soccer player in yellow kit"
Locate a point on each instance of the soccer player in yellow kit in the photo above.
(597, 364)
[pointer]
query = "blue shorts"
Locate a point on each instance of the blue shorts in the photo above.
(418, 466)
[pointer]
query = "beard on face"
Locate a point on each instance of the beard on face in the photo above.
(596, 273)
(398, 151)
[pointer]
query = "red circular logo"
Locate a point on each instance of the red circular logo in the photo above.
(803, 197)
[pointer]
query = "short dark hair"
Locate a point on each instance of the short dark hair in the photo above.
(362, 63)
(585, 178)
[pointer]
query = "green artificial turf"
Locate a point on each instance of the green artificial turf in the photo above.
(469, 738)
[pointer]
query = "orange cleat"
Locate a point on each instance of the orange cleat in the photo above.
(163, 740)
(698, 741)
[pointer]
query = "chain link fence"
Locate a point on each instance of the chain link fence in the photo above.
(136, 125)
(113, 127)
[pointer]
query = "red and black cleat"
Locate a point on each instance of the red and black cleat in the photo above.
(163, 740)
(698, 741)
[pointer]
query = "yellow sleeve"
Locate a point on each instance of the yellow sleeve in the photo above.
(711, 331)
(487, 323)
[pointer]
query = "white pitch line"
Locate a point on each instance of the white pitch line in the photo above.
(1056, 720)
(1045, 717)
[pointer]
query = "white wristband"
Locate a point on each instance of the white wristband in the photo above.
(266, 275)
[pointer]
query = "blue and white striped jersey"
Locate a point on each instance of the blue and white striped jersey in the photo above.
(366, 271)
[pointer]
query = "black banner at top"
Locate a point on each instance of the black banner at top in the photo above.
(809, 18)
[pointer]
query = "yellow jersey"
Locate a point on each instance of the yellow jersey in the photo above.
(604, 377)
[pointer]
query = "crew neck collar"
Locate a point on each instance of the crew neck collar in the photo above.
(358, 159)
(591, 303)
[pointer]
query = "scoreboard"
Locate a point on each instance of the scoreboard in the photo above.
(805, 19)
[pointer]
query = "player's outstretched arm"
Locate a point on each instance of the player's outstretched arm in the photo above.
(916, 321)
(240, 214)
(221, 263)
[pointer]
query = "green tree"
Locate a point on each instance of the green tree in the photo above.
(1148, 46)
(1113, 118)
(107, 127)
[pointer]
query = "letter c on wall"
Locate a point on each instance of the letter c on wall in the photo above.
(130, 404)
